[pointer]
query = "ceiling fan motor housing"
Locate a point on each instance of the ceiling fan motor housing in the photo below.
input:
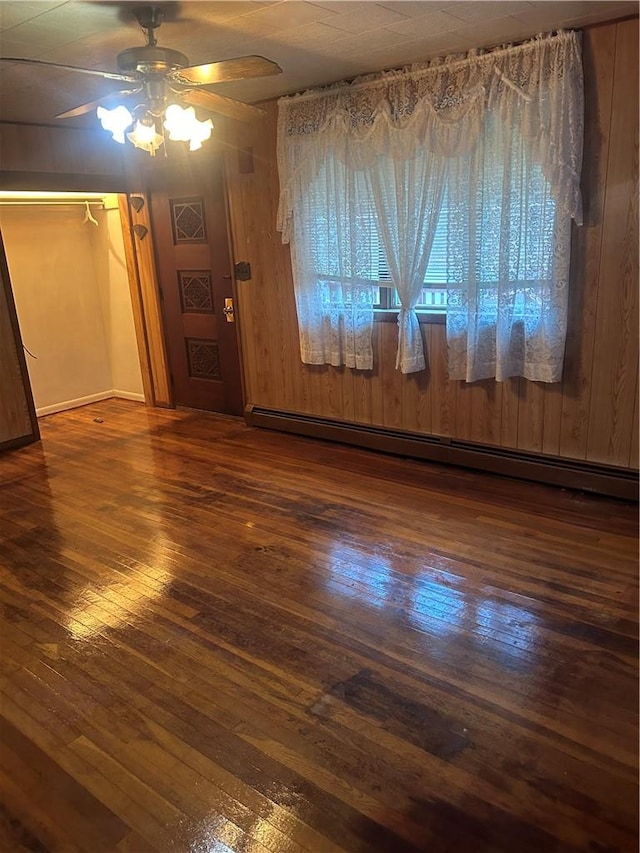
(155, 60)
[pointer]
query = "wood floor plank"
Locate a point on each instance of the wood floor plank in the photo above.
(217, 638)
(57, 793)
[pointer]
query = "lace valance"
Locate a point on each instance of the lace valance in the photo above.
(535, 88)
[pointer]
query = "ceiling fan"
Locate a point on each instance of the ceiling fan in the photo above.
(157, 80)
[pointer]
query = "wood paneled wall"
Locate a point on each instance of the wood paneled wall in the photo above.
(43, 157)
(592, 415)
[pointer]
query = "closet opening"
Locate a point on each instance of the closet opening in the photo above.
(70, 282)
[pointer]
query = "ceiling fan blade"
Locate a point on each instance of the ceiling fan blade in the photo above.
(113, 98)
(219, 104)
(240, 68)
(94, 72)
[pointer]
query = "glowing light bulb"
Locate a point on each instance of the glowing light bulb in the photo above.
(144, 136)
(183, 126)
(200, 132)
(178, 122)
(116, 121)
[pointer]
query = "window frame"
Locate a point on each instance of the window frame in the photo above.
(387, 312)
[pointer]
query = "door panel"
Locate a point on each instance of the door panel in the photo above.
(194, 273)
(18, 424)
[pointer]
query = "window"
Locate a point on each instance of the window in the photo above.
(467, 175)
(434, 294)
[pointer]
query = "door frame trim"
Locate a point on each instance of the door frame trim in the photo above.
(224, 163)
(145, 300)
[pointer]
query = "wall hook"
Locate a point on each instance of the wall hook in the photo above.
(140, 231)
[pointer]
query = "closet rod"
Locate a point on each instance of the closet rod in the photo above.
(49, 202)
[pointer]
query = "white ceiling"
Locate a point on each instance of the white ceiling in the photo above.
(315, 43)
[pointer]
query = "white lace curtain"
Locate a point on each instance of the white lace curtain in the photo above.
(333, 256)
(407, 195)
(363, 171)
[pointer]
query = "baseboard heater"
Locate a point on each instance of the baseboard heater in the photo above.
(586, 476)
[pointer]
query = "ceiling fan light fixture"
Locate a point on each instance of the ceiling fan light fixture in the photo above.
(144, 136)
(200, 133)
(178, 121)
(183, 126)
(156, 71)
(116, 121)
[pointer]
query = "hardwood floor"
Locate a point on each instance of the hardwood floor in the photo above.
(219, 639)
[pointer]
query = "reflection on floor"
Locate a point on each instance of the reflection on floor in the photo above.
(221, 639)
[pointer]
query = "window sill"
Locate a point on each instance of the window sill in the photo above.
(425, 318)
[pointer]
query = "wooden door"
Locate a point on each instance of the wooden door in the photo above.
(196, 287)
(18, 423)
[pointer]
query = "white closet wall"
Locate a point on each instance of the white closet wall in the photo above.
(72, 298)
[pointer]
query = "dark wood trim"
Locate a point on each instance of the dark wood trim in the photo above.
(575, 474)
(22, 362)
(61, 182)
(137, 305)
(385, 315)
(58, 126)
(145, 295)
(17, 443)
(425, 318)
